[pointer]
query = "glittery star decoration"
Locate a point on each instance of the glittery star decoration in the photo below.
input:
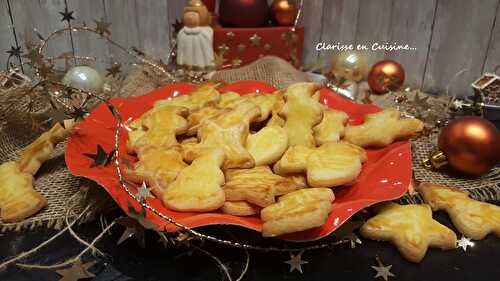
(132, 229)
(465, 242)
(242, 47)
(114, 70)
(143, 192)
(140, 217)
(421, 103)
(101, 157)
(296, 262)
(67, 15)
(77, 271)
(223, 49)
(267, 47)
(14, 51)
(230, 35)
(255, 40)
(346, 232)
(383, 271)
(102, 27)
(236, 62)
(34, 56)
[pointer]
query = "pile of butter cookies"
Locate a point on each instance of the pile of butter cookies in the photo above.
(277, 155)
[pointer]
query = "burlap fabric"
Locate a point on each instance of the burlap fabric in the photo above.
(58, 185)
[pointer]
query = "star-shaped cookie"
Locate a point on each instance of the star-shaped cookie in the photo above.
(472, 218)
(410, 228)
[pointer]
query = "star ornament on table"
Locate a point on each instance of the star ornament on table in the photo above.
(77, 271)
(465, 242)
(346, 232)
(296, 262)
(383, 271)
(101, 157)
(67, 15)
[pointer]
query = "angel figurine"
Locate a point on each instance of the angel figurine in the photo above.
(195, 40)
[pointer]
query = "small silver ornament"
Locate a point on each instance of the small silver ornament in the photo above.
(84, 78)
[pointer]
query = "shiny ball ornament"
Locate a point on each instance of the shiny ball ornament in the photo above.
(83, 78)
(243, 13)
(385, 76)
(349, 65)
(284, 12)
(471, 145)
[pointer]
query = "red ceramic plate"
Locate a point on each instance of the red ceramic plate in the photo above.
(385, 176)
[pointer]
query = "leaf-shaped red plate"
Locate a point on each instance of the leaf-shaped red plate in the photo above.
(385, 176)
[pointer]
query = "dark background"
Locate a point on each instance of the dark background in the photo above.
(128, 261)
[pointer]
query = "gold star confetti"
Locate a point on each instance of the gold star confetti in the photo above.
(242, 47)
(230, 35)
(383, 271)
(236, 62)
(114, 70)
(296, 262)
(255, 40)
(223, 49)
(77, 271)
(102, 27)
(267, 47)
(465, 242)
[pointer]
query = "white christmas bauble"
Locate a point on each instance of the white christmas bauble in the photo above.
(83, 78)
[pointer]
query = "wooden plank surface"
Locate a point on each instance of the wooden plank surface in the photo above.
(87, 43)
(493, 54)
(459, 42)
(154, 27)
(6, 37)
(374, 25)
(411, 24)
(340, 18)
(312, 12)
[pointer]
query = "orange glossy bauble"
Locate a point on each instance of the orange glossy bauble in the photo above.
(471, 145)
(385, 76)
(284, 12)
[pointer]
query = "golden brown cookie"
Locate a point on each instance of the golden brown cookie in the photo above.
(197, 117)
(258, 185)
(228, 132)
(331, 127)
(240, 208)
(302, 111)
(296, 211)
(157, 129)
(205, 94)
(472, 218)
(197, 187)
(158, 168)
(18, 199)
(382, 128)
(410, 228)
(267, 145)
(41, 149)
(329, 165)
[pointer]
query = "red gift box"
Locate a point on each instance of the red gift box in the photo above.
(235, 47)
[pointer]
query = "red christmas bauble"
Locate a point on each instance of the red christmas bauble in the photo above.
(471, 145)
(284, 12)
(385, 76)
(243, 13)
